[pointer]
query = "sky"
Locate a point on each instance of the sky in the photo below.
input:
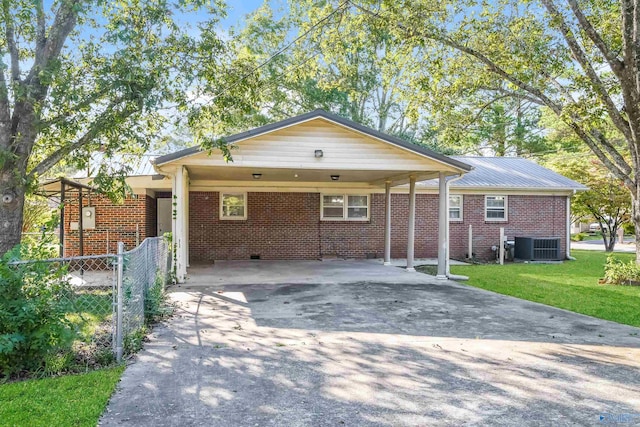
(237, 9)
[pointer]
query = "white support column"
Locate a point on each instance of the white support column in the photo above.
(447, 266)
(186, 215)
(412, 224)
(174, 223)
(443, 219)
(180, 232)
(568, 231)
(387, 223)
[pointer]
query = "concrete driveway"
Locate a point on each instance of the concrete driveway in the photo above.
(364, 344)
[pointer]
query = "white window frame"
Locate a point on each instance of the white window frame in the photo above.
(461, 218)
(233, 218)
(345, 207)
(506, 208)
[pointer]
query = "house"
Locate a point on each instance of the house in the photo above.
(320, 186)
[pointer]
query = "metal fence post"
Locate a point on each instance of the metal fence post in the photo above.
(119, 314)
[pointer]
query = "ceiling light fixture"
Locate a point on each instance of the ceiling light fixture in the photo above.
(335, 177)
(318, 154)
(257, 175)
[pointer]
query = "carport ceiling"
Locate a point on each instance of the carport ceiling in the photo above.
(231, 173)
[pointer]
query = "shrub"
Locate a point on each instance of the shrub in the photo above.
(629, 228)
(617, 272)
(154, 300)
(34, 329)
(578, 237)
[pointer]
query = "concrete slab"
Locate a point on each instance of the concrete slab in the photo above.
(385, 348)
(316, 272)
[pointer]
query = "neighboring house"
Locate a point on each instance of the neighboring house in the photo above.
(320, 186)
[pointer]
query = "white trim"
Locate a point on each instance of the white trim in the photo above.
(461, 218)
(233, 218)
(345, 207)
(506, 208)
(355, 187)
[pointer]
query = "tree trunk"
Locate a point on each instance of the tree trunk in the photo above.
(635, 215)
(610, 243)
(11, 209)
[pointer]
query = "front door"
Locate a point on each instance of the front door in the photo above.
(164, 215)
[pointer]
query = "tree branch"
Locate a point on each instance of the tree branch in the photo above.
(43, 124)
(620, 122)
(621, 171)
(11, 41)
(612, 151)
(563, 90)
(90, 135)
(5, 111)
(513, 94)
(63, 24)
(41, 30)
(611, 57)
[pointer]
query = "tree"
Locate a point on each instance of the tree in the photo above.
(323, 60)
(504, 127)
(606, 200)
(85, 76)
(581, 60)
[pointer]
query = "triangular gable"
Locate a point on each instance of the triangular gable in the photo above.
(343, 142)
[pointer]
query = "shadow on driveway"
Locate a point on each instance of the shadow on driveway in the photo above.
(375, 354)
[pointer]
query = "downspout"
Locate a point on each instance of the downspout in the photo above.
(447, 261)
(568, 230)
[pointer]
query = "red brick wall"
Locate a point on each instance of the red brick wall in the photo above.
(278, 226)
(536, 216)
(113, 223)
(288, 226)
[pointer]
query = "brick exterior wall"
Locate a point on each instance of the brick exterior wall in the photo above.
(114, 223)
(528, 216)
(288, 226)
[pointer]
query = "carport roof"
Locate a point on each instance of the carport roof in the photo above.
(328, 116)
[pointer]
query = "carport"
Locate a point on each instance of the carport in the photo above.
(313, 153)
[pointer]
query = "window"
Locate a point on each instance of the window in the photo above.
(344, 207)
(495, 208)
(233, 206)
(455, 207)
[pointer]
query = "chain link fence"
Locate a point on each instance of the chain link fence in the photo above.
(108, 298)
(140, 284)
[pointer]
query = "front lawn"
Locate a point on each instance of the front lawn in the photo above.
(71, 400)
(572, 285)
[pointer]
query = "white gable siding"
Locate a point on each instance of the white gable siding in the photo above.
(294, 147)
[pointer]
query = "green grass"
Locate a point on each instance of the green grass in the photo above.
(91, 309)
(72, 400)
(572, 285)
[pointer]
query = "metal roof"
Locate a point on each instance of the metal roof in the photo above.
(136, 164)
(508, 173)
(331, 117)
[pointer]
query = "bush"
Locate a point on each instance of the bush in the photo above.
(617, 272)
(34, 329)
(629, 228)
(154, 300)
(578, 237)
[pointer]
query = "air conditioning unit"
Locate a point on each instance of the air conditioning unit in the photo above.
(538, 248)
